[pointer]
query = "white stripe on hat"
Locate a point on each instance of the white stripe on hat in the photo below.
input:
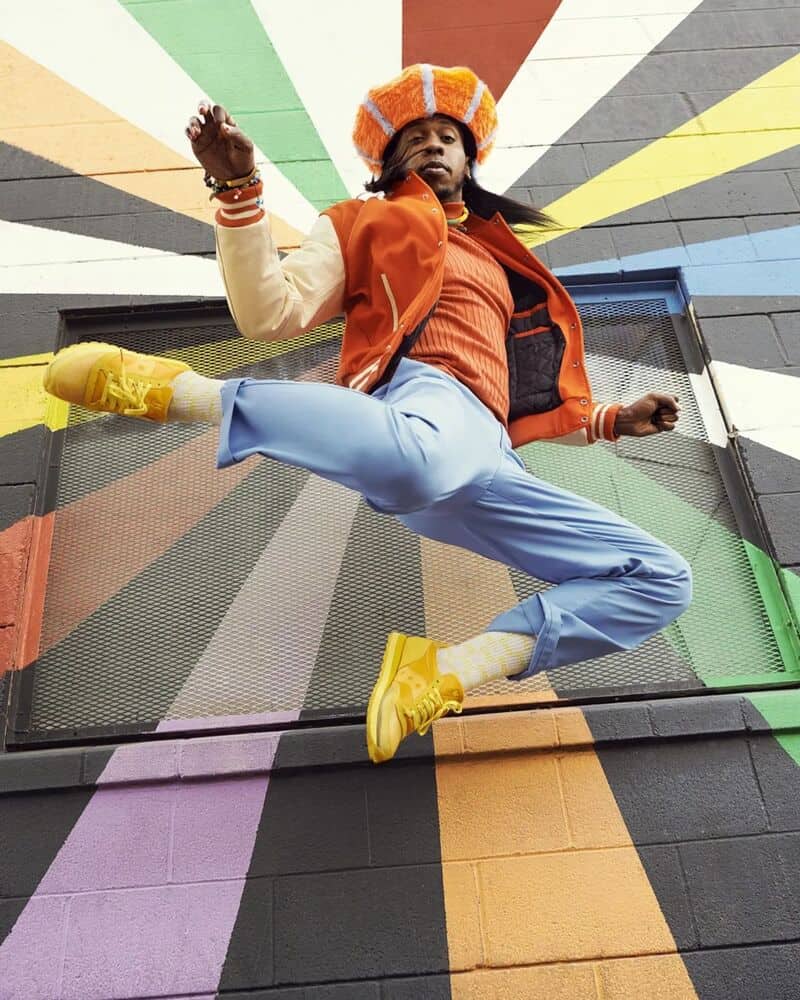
(480, 86)
(427, 88)
(488, 140)
(373, 109)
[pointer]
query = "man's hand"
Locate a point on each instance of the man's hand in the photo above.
(220, 146)
(655, 412)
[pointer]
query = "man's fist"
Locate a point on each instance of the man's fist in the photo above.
(655, 412)
(220, 146)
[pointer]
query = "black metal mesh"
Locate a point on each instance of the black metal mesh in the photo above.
(179, 592)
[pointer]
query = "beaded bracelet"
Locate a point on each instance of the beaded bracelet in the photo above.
(219, 187)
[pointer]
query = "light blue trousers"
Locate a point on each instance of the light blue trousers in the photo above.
(426, 450)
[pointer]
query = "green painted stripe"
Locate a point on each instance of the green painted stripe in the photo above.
(781, 710)
(784, 626)
(726, 633)
(233, 61)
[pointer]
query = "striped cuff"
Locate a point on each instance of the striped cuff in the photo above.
(601, 426)
(240, 206)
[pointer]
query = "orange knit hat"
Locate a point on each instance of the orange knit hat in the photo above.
(422, 91)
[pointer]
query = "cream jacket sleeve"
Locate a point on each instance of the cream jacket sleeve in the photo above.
(274, 299)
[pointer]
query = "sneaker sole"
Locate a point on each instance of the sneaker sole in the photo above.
(390, 664)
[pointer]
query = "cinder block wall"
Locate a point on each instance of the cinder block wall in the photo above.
(645, 850)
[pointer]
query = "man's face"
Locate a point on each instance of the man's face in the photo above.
(432, 147)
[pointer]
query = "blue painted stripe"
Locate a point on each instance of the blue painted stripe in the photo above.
(765, 263)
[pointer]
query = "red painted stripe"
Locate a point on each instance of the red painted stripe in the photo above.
(493, 41)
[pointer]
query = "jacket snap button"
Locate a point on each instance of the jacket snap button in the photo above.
(434, 211)
(425, 197)
(572, 326)
(439, 243)
(584, 420)
(576, 364)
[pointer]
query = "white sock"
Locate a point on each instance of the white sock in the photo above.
(486, 657)
(196, 399)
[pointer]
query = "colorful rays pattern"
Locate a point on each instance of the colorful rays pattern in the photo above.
(158, 871)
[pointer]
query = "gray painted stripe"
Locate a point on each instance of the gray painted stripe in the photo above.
(262, 654)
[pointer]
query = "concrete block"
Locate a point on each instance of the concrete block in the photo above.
(779, 778)
(33, 828)
(561, 164)
(743, 890)
(122, 840)
(671, 792)
(766, 972)
(312, 821)
(608, 882)
(615, 723)
(787, 326)
(400, 834)
(697, 716)
(16, 502)
(593, 817)
(346, 925)
(738, 29)
(464, 914)
(555, 982)
(745, 340)
(657, 977)
(663, 868)
(781, 514)
(734, 195)
(520, 813)
(29, 966)
(39, 769)
(148, 942)
(770, 471)
(716, 241)
(631, 117)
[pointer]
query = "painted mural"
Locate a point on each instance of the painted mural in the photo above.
(645, 850)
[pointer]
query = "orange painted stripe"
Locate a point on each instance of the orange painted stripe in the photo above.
(86, 570)
(30, 627)
(46, 116)
(538, 865)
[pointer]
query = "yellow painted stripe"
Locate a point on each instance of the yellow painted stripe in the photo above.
(24, 399)
(46, 116)
(523, 806)
(25, 403)
(758, 121)
(26, 359)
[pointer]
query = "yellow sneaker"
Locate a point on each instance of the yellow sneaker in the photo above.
(409, 695)
(112, 380)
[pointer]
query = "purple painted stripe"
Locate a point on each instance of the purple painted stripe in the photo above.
(143, 895)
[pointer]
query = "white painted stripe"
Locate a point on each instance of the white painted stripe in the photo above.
(754, 400)
(288, 593)
(165, 275)
(783, 439)
(427, 89)
(21, 245)
(106, 63)
(480, 86)
(331, 98)
(601, 422)
(578, 58)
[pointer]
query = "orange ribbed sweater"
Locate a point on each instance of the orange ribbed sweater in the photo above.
(466, 336)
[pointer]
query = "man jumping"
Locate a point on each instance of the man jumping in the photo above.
(459, 345)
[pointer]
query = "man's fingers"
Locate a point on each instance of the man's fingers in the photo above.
(665, 400)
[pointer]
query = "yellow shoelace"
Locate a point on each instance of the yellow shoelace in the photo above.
(430, 707)
(124, 394)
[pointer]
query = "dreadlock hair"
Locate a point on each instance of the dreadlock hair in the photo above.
(476, 198)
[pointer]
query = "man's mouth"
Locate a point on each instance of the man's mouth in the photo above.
(433, 167)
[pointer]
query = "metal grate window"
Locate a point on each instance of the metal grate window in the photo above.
(183, 597)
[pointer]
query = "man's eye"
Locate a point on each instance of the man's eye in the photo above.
(448, 138)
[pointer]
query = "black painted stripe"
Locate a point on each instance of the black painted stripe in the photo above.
(45, 194)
